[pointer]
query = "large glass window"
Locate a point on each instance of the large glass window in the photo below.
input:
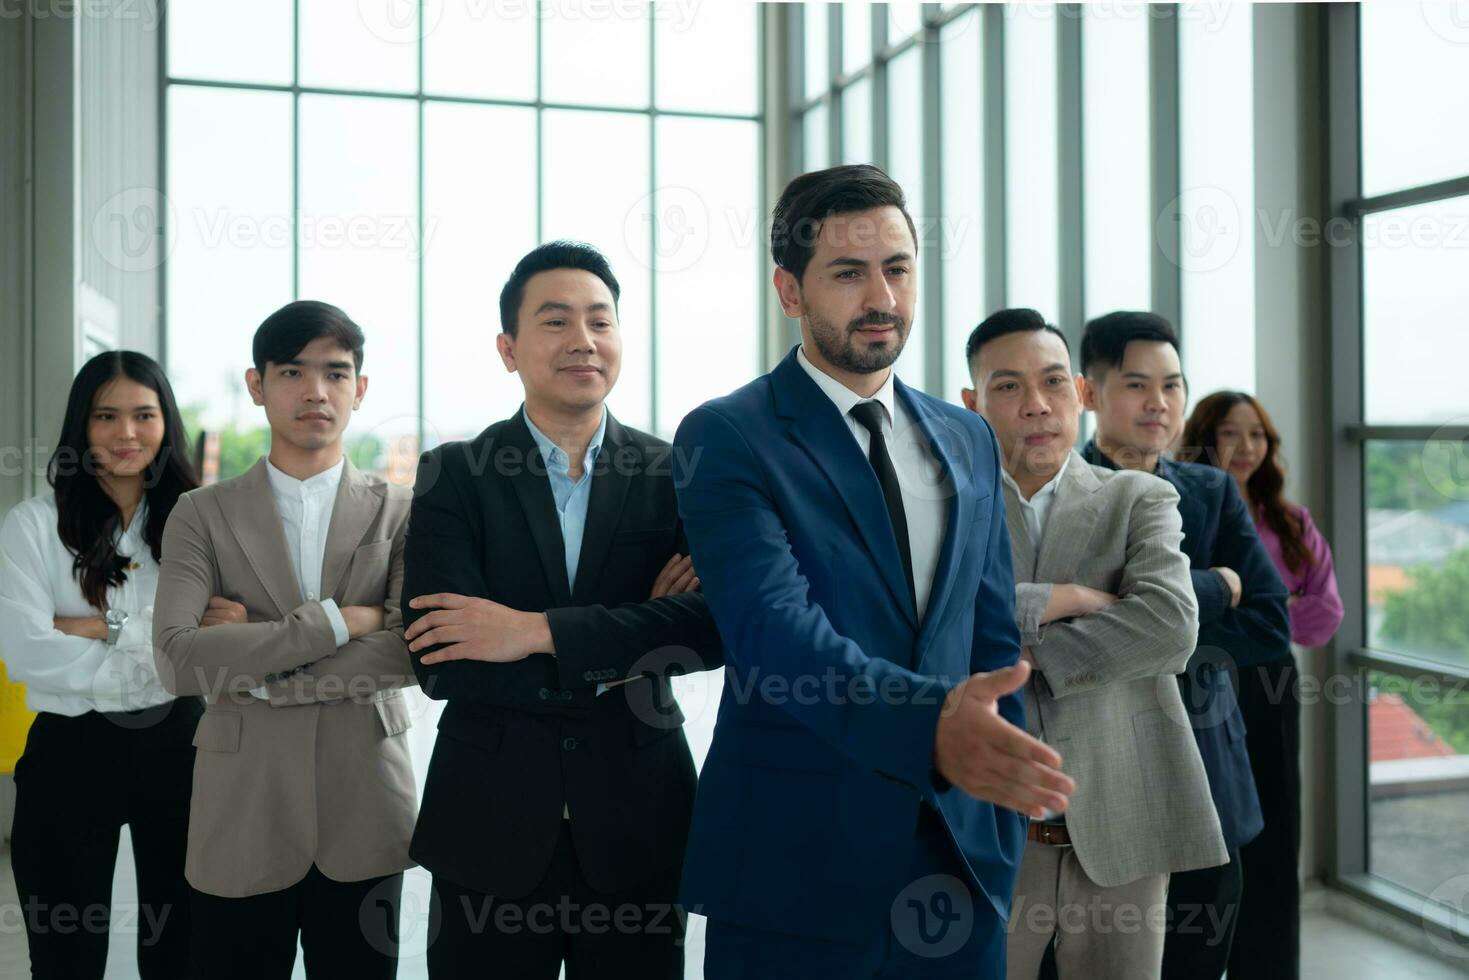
(1412, 253)
(396, 160)
(1117, 157)
(1415, 94)
(1032, 176)
(960, 243)
(1415, 312)
(1215, 210)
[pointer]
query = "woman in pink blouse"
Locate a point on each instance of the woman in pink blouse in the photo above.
(1232, 430)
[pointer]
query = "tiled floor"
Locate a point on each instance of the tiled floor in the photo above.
(1333, 948)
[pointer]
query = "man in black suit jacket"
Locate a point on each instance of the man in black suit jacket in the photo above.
(543, 605)
(1136, 387)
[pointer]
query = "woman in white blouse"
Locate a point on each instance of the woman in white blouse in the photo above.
(109, 746)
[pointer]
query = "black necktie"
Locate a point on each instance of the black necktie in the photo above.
(870, 415)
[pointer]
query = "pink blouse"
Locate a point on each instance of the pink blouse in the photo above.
(1317, 610)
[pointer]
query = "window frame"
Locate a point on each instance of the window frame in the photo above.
(296, 90)
(1350, 655)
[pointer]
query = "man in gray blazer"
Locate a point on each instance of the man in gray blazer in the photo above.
(304, 797)
(1107, 617)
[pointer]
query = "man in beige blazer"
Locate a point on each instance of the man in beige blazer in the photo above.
(1107, 616)
(304, 798)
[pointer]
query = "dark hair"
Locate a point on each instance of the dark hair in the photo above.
(1005, 322)
(1200, 444)
(1105, 339)
(287, 331)
(810, 199)
(87, 518)
(543, 258)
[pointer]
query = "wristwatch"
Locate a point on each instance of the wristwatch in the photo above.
(116, 619)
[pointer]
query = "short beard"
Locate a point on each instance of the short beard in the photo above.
(839, 350)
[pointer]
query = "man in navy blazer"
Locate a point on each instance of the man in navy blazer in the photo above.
(859, 813)
(1135, 385)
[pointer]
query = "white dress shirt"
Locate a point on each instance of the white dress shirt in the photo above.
(925, 491)
(306, 509)
(1035, 510)
(71, 675)
(1034, 513)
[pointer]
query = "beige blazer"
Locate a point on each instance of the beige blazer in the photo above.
(1106, 693)
(320, 773)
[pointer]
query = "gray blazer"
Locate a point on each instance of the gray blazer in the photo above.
(1105, 694)
(320, 773)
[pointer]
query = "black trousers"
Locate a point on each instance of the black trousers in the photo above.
(1203, 911)
(348, 929)
(79, 780)
(634, 934)
(1267, 941)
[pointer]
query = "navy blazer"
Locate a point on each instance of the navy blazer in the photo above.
(1218, 532)
(808, 803)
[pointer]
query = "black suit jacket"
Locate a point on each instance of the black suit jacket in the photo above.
(1217, 531)
(518, 741)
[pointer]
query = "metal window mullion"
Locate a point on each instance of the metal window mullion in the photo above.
(653, 225)
(540, 129)
(993, 148)
(835, 123)
(879, 90)
(1347, 724)
(1069, 148)
(931, 90)
(296, 149)
(1423, 194)
(422, 326)
(1165, 185)
(164, 244)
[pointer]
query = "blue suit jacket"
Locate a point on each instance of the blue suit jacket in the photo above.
(1218, 531)
(808, 802)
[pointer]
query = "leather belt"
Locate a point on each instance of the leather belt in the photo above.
(1049, 833)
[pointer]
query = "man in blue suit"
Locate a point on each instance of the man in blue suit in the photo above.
(859, 813)
(1135, 384)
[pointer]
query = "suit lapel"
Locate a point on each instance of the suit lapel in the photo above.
(1071, 522)
(249, 507)
(949, 447)
(814, 424)
(612, 475)
(353, 512)
(533, 489)
(1021, 549)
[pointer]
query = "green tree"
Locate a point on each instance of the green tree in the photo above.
(1431, 617)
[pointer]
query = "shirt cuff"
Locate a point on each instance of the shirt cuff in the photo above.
(339, 625)
(601, 689)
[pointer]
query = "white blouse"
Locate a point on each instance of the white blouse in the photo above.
(71, 675)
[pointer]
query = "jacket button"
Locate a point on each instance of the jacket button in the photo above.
(544, 694)
(588, 676)
(565, 695)
(569, 744)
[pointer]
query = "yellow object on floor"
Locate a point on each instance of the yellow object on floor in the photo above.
(15, 721)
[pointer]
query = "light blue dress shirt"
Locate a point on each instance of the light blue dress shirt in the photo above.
(572, 497)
